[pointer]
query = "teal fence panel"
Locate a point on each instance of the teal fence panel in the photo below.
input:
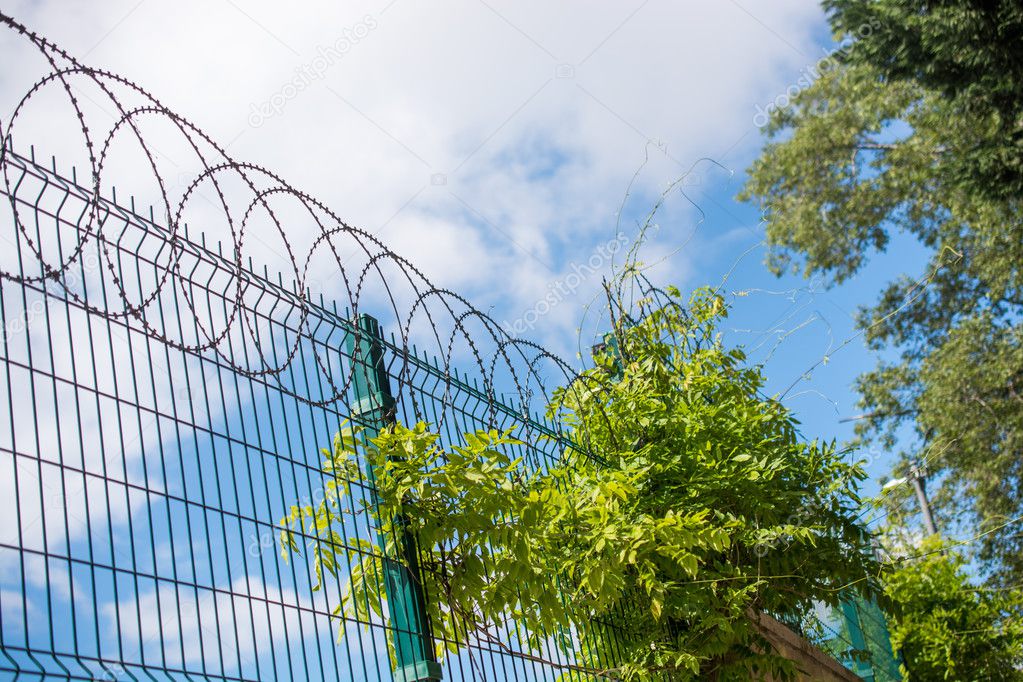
(166, 403)
(148, 455)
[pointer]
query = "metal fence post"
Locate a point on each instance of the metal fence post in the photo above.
(868, 630)
(409, 626)
(852, 621)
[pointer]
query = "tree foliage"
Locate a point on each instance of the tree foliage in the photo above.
(689, 502)
(916, 130)
(949, 629)
(969, 53)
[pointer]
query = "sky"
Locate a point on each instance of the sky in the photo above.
(493, 144)
(506, 149)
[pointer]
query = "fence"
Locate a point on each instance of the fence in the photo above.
(147, 480)
(856, 634)
(166, 404)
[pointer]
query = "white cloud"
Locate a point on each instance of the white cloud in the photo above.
(236, 625)
(534, 117)
(489, 143)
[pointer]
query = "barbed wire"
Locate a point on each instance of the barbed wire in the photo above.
(242, 191)
(455, 328)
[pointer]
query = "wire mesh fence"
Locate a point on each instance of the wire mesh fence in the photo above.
(147, 480)
(856, 635)
(167, 402)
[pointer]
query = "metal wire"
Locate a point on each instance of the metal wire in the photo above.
(147, 474)
(166, 402)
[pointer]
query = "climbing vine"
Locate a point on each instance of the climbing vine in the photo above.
(690, 502)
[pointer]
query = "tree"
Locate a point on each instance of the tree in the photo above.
(688, 502)
(969, 53)
(916, 128)
(949, 629)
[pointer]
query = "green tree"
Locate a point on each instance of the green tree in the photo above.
(689, 502)
(969, 53)
(915, 128)
(949, 629)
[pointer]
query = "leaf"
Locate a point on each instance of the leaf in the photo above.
(595, 578)
(656, 605)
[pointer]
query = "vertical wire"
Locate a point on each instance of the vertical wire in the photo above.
(263, 457)
(15, 469)
(52, 380)
(117, 400)
(218, 511)
(212, 454)
(101, 437)
(176, 422)
(255, 506)
(77, 389)
(194, 428)
(327, 413)
(38, 447)
(226, 416)
(306, 445)
(142, 452)
(288, 440)
(313, 447)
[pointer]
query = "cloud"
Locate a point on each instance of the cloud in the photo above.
(533, 117)
(489, 143)
(226, 632)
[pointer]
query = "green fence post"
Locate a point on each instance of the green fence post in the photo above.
(409, 626)
(865, 619)
(856, 638)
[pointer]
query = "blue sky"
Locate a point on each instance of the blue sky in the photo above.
(490, 143)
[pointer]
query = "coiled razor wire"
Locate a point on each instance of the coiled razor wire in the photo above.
(184, 271)
(514, 363)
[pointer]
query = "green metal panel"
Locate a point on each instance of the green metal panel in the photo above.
(409, 627)
(873, 627)
(852, 621)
